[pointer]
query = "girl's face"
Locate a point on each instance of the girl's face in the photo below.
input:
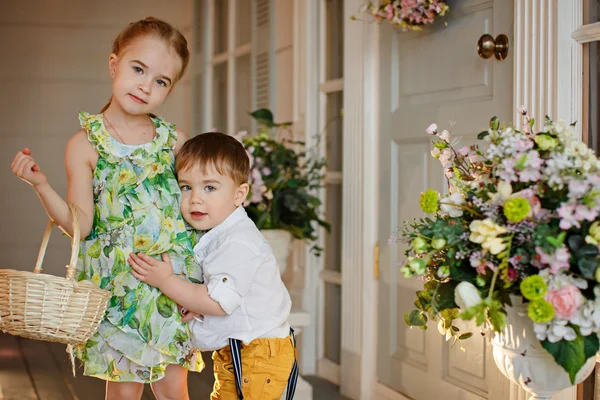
(143, 74)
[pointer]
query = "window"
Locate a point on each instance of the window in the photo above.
(331, 89)
(224, 79)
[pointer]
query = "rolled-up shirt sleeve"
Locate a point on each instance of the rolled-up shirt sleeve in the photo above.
(230, 273)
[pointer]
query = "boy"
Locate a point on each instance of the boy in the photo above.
(243, 305)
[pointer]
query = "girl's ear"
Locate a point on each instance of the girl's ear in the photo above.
(113, 60)
(241, 194)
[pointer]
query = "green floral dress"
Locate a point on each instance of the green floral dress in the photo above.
(136, 200)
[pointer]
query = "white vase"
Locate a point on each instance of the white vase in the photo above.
(280, 242)
(521, 358)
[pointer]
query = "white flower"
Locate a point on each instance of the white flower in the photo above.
(452, 203)
(494, 245)
(504, 192)
(435, 153)
(445, 136)
(466, 296)
(432, 130)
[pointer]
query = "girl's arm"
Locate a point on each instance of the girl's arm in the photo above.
(78, 157)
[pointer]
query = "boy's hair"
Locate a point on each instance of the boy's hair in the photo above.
(157, 28)
(223, 152)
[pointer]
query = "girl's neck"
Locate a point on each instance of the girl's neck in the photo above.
(120, 117)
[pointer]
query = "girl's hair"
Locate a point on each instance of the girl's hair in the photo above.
(157, 28)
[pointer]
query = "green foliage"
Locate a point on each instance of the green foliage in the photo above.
(285, 182)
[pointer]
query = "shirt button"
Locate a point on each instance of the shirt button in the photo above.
(224, 279)
(246, 380)
(268, 380)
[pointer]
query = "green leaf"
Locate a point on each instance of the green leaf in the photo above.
(119, 264)
(558, 241)
(497, 316)
(263, 116)
(572, 355)
(108, 249)
(587, 267)
(165, 306)
(415, 318)
(494, 123)
(465, 336)
(482, 135)
(113, 219)
(575, 242)
(95, 249)
(473, 312)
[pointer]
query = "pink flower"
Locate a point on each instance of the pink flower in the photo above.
(566, 212)
(390, 12)
(577, 188)
(432, 130)
(463, 151)
(523, 145)
(566, 301)
(556, 261)
(584, 212)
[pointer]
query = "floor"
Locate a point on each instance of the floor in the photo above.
(33, 370)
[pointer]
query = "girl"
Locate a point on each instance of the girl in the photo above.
(120, 170)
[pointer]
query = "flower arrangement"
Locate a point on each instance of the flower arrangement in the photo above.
(284, 179)
(521, 218)
(408, 14)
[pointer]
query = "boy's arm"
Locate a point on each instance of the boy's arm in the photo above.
(192, 296)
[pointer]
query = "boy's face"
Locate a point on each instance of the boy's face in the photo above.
(208, 197)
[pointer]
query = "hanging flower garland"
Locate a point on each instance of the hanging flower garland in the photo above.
(407, 14)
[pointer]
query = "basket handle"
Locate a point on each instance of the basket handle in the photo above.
(72, 267)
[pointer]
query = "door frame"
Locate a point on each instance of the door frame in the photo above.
(542, 41)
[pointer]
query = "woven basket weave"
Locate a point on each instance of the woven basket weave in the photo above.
(47, 307)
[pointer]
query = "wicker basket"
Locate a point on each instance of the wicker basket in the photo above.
(47, 307)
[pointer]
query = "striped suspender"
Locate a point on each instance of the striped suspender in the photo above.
(236, 355)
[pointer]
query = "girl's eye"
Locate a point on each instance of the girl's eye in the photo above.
(210, 188)
(138, 70)
(161, 82)
(185, 188)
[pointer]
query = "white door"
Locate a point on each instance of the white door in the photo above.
(433, 76)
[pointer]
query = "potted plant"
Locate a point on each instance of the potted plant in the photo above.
(285, 179)
(517, 236)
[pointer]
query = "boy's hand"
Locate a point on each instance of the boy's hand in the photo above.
(150, 270)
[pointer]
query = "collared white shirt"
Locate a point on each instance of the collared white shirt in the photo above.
(243, 277)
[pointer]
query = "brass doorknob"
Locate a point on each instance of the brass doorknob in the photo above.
(487, 46)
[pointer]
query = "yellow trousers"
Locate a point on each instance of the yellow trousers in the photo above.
(266, 368)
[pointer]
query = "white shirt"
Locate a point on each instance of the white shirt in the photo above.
(243, 277)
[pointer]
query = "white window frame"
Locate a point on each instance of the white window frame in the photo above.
(326, 368)
(210, 61)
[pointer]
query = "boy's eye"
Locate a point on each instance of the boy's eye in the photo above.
(209, 188)
(185, 188)
(138, 70)
(161, 82)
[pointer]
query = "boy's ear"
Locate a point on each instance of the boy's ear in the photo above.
(241, 194)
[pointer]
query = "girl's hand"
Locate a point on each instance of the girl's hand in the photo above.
(25, 167)
(188, 315)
